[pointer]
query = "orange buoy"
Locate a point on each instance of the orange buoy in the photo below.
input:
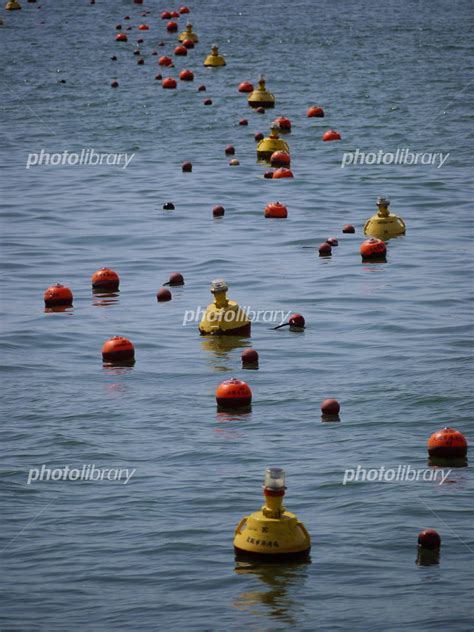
(121, 37)
(246, 86)
(202, 88)
(118, 349)
(429, 539)
(331, 135)
(57, 295)
(143, 27)
(163, 295)
(186, 75)
(229, 150)
(332, 241)
(207, 101)
(373, 249)
(184, 10)
(171, 27)
(296, 322)
(325, 249)
(348, 228)
(114, 84)
(233, 394)
(447, 443)
(276, 210)
(280, 159)
(165, 61)
(282, 173)
(283, 123)
(188, 43)
(169, 83)
(181, 51)
(243, 122)
(166, 15)
(315, 111)
(187, 167)
(105, 279)
(330, 407)
(249, 359)
(218, 211)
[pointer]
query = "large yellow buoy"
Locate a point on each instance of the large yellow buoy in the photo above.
(384, 225)
(12, 5)
(273, 533)
(214, 59)
(224, 317)
(267, 146)
(260, 97)
(188, 34)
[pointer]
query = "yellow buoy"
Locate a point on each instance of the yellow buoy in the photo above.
(224, 317)
(188, 34)
(214, 59)
(261, 97)
(12, 5)
(384, 225)
(272, 533)
(270, 144)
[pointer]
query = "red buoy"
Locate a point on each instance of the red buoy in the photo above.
(57, 295)
(315, 111)
(188, 44)
(258, 137)
(233, 394)
(165, 61)
(163, 295)
(268, 175)
(166, 15)
(373, 248)
(325, 249)
(243, 122)
(121, 37)
(280, 159)
(276, 210)
(181, 51)
(118, 349)
(140, 61)
(171, 27)
(207, 101)
(187, 167)
(283, 123)
(143, 27)
(114, 84)
(447, 443)
(249, 359)
(348, 228)
(331, 135)
(176, 278)
(246, 86)
(282, 173)
(184, 10)
(330, 407)
(202, 88)
(429, 539)
(105, 279)
(218, 211)
(169, 83)
(186, 75)
(229, 150)
(332, 241)
(174, 14)
(296, 321)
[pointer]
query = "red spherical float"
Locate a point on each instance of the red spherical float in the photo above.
(140, 61)
(260, 110)
(118, 349)
(169, 83)
(325, 249)
(258, 137)
(163, 295)
(218, 211)
(330, 407)
(429, 539)
(114, 84)
(276, 210)
(187, 167)
(176, 278)
(174, 14)
(229, 150)
(296, 321)
(105, 279)
(245, 86)
(158, 77)
(233, 394)
(202, 88)
(243, 122)
(373, 249)
(143, 27)
(315, 111)
(348, 228)
(171, 27)
(184, 10)
(166, 15)
(331, 135)
(186, 75)
(57, 295)
(207, 101)
(165, 61)
(283, 172)
(332, 241)
(447, 443)
(268, 175)
(121, 37)
(249, 359)
(283, 123)
(181, 51)
(280, 159)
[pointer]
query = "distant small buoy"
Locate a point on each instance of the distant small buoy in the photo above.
(143, 27)
(234, 162)
(218, 211)
(331, 135)
(258, 136)
(207, 101)
(184, 10)
(165, 61)
(202, 88)
(169, 83)
(126, 17)
(296, 322)
(187, 167)
(214, 59)
(114, 84)
(429, 539)
(140, 41)
(373, 249)
(260, 109)
(229, 150)
(171, 27)
(348, 229)
(161, 43)
(276, 210)
(188, 44)
(118, 349)
(243, 122)
(325, 250)
(186, 75)
(330, 407)
(57, 295)
(233, 394)
(158, 77)
(181, 51)
(447, 443)
(137, 51)
(118, 27)
(140, 61)
(174, 14)
(176, 279)
(121, 37)
(246, 86)
(168, 206)
(163, 295)
(315, 111)
(114, 58)
(283, 172)
(332, 241)
(166, 15)
(154, 52)
(283, 123)
(280, 159)
(249, 359)
(137, 1)
(105, 279)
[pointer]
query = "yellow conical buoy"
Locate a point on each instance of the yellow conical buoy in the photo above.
(12, 5)
(224, 317)
(188, 34)
(214, 59)
(384, 225)
(270, 144)
(261, 97)
(272, 533)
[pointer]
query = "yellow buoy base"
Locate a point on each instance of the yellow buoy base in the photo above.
(267, 146)
(260, 536)
(214, 61)
(188, 35)
(385, 227)
(12, 5)
(230, 319)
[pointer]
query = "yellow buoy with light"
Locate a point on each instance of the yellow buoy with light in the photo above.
(384, 225)
(261, 97)
(272, 533)
(270, 144)
(188, 34)
(214, 59)
(224, 317)
(12, 5)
